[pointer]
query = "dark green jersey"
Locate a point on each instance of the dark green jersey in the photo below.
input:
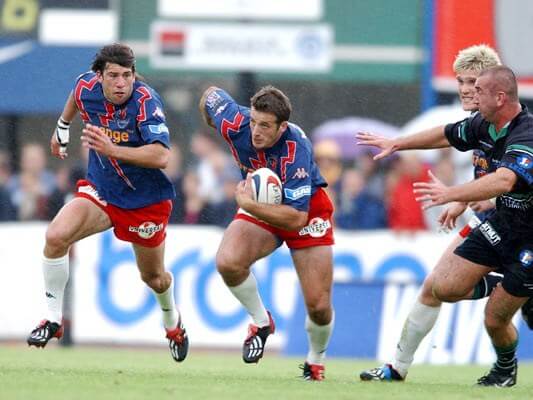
(512, 148)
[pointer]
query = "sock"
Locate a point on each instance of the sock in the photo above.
(318, 337)
(484, 287)
(168, 306)
(419, 322)
(506, 357)
(248, 295)
(55, 272)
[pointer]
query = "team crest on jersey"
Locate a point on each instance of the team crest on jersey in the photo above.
(526, 258)
(317, 228)
(524, 162)
(146, 230)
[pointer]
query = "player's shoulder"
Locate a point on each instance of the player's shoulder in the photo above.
(297, 134)
(87, 79)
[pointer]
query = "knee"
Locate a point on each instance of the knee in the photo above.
(57, 242)
(443, 291)
(156, 281)
(228, 265)
(319, 309)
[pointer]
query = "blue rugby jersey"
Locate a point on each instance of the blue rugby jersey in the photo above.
(291, 157)
(139, 121)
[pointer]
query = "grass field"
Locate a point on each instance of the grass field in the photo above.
(119, 373)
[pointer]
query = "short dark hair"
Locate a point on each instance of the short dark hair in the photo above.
(502, 79)
(116, 53)
(272, 100)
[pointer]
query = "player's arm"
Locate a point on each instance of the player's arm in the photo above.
(433, 138)
(280, 216)
(201, 106)
(153, 155)
(435, 193)
(60, 137)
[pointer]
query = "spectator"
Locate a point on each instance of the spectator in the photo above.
(222, 213)
(7, 210)
(357, 208)
(32, 186)
(404, 213)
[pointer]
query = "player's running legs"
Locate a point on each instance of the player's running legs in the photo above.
(314, 267)
(77, 219)
(243, 244)
(423, 315)
(499, 312)
(150, 261)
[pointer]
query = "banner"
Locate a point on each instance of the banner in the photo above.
(504, 25)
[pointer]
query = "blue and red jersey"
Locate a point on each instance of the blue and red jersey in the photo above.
(138, 122)
(291, 157)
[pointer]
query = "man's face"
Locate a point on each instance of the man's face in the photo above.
(466, 87)
(485, 98)
(117, 83)
(265, 129)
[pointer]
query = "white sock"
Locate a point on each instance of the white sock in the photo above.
(55, 272)
(248, 295)
(168, 306)
(318, 337)
(419, 322)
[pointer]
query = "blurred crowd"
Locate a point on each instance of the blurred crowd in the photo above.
(367, 194)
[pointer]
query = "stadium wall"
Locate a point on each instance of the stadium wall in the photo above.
(377, 276)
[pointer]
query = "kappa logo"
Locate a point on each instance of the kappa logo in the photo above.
(526, 258)
(158, 112)
(146, 230)
(300, 173)
(317, 228)
(220, 109)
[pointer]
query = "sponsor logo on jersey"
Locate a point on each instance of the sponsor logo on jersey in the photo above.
(146, 230)
(526, 258)
(300, 173)
(295, 194)
(317, 228)
(212, 100)
(490, 233)
(524, 162)
(158, 129)
(116, 136)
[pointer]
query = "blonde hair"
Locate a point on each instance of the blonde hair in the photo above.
(476, 58)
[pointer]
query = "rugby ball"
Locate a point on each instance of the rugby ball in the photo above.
(266, 186)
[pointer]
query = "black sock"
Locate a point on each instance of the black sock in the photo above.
(484, 287)
(506, 357)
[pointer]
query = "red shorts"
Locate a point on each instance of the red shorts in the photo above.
(145, 226)
(317, 232)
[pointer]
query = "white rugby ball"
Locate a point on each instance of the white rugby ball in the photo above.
(266, 186)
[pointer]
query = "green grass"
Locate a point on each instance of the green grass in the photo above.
(130, 373)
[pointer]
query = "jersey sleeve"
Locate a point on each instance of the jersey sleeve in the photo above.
(221, 107)
(463, 135)
(518, 157)
(296, 176)
(151, 118)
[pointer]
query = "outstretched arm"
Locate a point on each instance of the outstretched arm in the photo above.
(433, 138)
(201, 106)
(63, 124)
(435, 193)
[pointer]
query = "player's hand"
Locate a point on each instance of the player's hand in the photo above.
(56, 149)
(243, 193)
(387, 146)
(94, 139)
(433, 193)
(448, 218)
(482, 205)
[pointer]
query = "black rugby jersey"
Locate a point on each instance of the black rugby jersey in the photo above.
(512, 148)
